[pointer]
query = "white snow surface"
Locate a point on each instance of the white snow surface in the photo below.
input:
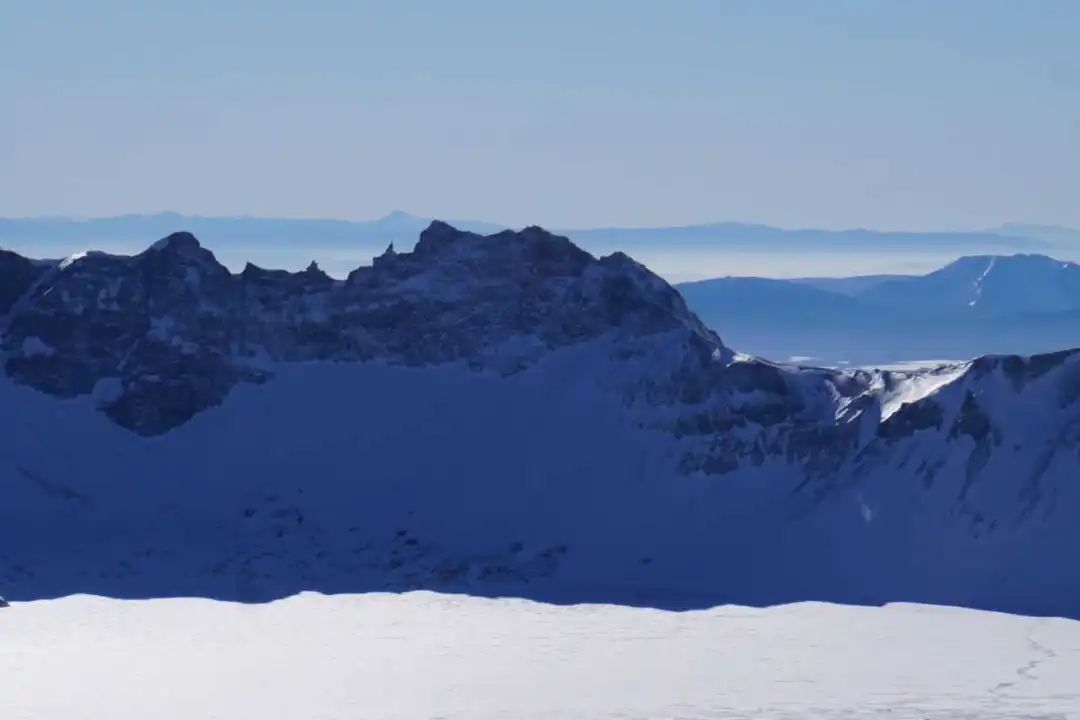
(915, 386)
(426, 655)
(72, 259)
(978, 282)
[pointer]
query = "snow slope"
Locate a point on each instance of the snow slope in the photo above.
(503, 415)
(346, 477)
(422, 655)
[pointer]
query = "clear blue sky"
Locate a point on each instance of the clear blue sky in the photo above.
(932, 114)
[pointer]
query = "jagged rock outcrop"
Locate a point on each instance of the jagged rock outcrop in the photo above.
(17, 275)
(170, 331)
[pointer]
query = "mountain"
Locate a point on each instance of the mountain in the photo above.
(973, 306)
(171, 331)
(502, 415)
(747, 236)
(1061, 237)
(986, 285)
(701, 252)
(686, 252)
(757, 299)
(791, 319)
(848, 285)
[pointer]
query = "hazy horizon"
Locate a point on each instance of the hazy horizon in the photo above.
(392, 214)
(678, 253)
(913, 116)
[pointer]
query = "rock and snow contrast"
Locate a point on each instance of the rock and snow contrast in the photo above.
(501, 415)
(424, 655)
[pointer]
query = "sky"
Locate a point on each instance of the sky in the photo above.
(833, 114)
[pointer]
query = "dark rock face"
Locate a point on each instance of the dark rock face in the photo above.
(462, 295)
(971, 420)
(159, 325)
(911, 418)
(17, 274)
(167, 333)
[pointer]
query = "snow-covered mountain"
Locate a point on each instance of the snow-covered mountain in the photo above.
(501, 414)
(986, 285)
(973, 306)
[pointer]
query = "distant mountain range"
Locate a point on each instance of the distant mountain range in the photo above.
(976, 305)
(679, 253)
(746, 236)
(1049, 233)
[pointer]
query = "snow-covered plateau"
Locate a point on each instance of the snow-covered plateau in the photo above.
(426, 655)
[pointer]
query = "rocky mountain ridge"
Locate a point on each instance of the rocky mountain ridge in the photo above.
(170, 331)
(534, 419)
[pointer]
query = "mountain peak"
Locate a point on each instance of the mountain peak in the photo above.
(996, 285)
(1028, 260)
(438, 235)
(181, 241)
(172, 317)
(399, 221)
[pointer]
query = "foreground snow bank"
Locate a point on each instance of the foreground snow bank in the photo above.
(424, 655)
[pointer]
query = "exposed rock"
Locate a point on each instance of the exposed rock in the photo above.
(179, 331)
(911, 418)
(971, 421)
(17, 274)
